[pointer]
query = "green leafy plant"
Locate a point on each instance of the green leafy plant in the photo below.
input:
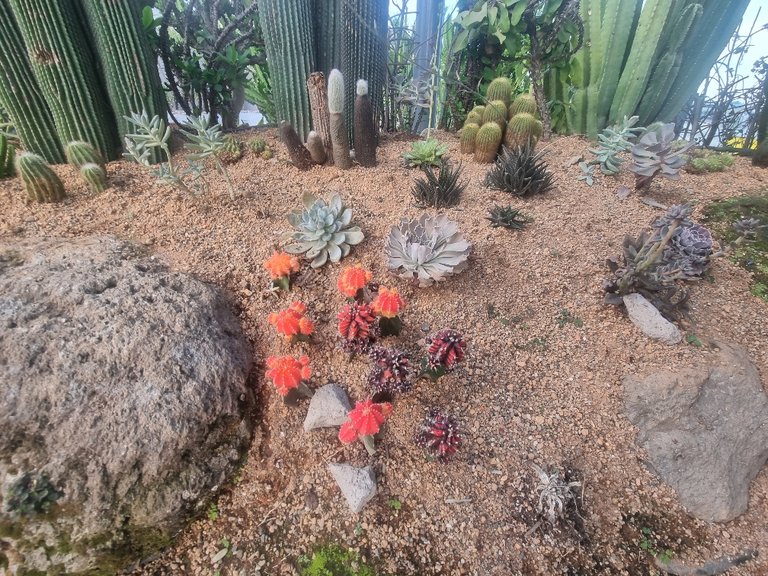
(705, 161)
(30, 494)
(520, 172)
(439, 191)
(213, 512)
(394, 504)
(655, 155)
(647, 543)
(209, 142)
(507, 217)
(425, 153)
(693, 340)
(564, 317)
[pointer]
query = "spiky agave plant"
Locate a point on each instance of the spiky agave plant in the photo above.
(439, 435)
(654, 155)
(520, 172)
(322, 230)
(425, 153)
(439, 191)
(427, 250)
(507, 217)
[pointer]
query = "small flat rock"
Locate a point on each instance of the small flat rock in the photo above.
(358, 485)
(645, 316)
(705, 430)
(329, 407)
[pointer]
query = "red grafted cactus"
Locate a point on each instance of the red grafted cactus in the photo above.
(388, 304)
(391, 371)
(365, 420)
(357, 325)
(439, 435)
(280, 267)
(288, 374)
(446, 350)
(352, 280)
(291, 323)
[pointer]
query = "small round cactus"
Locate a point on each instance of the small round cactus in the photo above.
(467, 137)
(500, 89)
(95, 176)
(525, 103)
(487, 142)
(496, 111)
(41, 183)
(79, 153)
(474, 117)
(523, 130)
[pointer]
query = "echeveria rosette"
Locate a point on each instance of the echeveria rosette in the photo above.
(364, 421)
(439, 435)
(446, 350)
(322, 230)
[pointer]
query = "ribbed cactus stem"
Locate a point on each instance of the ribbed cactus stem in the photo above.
(496, 111)
(41, 183)
(523, 130)
(318, 102)
(316, 148)
(95, 176)
(79, 153)
(339, 138)
(365, 129)
(287, 29)
(467, 137)
(487, 142)
(473, 118)
(7, 155)
(299, 155)
(20, 93)
(327, 19)
(500, 89)
(127, 62)
(66, 73)
(525, 103)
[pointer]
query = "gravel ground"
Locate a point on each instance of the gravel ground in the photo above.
(530, 391)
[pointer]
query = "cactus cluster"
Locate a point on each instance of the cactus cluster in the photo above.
(89, 163)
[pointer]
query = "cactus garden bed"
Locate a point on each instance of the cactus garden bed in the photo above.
(539, 387)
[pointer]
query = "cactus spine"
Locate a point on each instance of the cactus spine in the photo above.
(20, 93)
(66, 72)
(79, 153)
(318, 101)
(7, 154)
(467, 137)
(287, 29)
(500, 89)
(95, 176)
(339, 138)
(300, 156)
(496, 111)
(525, 103)
(487, 142)
(365, 129)
(40, 182)
(523, 130)
(127, 64)
(316, 148)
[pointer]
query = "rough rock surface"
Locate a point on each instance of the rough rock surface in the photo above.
(705, 430)
(358, 485)
(123, 397)
(645, 316)
(329, 407)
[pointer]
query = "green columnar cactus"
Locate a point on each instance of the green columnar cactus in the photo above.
(127, 63)
(287, 29)
(364, 50)
(523, 130)
(79, 153)
(327, 42)
(66, 73)
(467, 137)
(20, 93)
(500, 89)
(300, 156)
(365, 129)
(40, 182)
(525, 103)
(496, 111)
(7, 155)
(487, 142)
(339, 139)
(316, 148)
(95, 175)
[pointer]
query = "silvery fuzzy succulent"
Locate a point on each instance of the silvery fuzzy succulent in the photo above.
(613, 141)
(653, 155)
(322, 230)
(427, 250)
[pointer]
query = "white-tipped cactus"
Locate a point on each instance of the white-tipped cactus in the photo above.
(365, 129)
(339, 139)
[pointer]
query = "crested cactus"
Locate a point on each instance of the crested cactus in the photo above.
(95, 176)
(287, 28)
(299, 155)
(316, 148)
(127, 62)
(523, 130)
(467, 137)
(500, 89)
(339, 139)
(20, 93)
(79, 153)
(7, 155)
(525, 103)
(66, 73)
(41, 183)
(496, 111)
(487, 142)
(365, 129)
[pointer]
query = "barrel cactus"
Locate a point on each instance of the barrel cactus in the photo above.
(487, 142)
(7, 153)
(525, 103)
(523, 130)
(79, 153)
(500, 89)
(41, 183)
(95, 176)
(467, 137)
(322, 231)
(496, 111)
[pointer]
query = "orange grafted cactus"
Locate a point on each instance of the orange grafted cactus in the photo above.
(292, 323)
(281, 264)
(352, 280)
(288, 373)
(388, 303)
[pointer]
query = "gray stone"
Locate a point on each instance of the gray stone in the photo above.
(358, 485)
(705, 430)
(124, 391)
(329, 407)
(645, 316)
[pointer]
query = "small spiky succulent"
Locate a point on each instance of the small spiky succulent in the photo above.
(439, 191)
(425, 153)
(446, 350)
(520, 172)
(439, 435)
(427, 250)
(507, 217)
(232, 151)
(358, 328)
(555, 494)
(748, 227)
(391, 371)
(612, 141)
(654, 154)
(322, 230)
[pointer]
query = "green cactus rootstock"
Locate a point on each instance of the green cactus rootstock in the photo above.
(95, 176)
(20, 93)
(41, 183)
(7, 157)
(66, 72)
(487, 142)
(287, 29)
(127, 63)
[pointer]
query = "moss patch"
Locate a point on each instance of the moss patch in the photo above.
(750, 253)
(332, 560)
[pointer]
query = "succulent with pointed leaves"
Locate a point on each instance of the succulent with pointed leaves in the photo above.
(441, 190)
(427, 250)
(653, 155)
(439, 435)
(391, 371)
(520, 172)
(507, 217)
(322, 231)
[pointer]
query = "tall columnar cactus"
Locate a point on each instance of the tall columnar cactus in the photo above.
(66, 72)
(318, 102)
(523, 130)
(79, 153)
(487, 142)
(287, 29)
(500, 89)
(365, 128)
(128, 66)
(20, 93)
(316, 148)
(40, 182)
(327, 40)
(339, 138)
(467, 137)
(95, 176)
(7, 155)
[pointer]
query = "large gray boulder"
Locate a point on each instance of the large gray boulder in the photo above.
(123, 403)
(705, 430)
